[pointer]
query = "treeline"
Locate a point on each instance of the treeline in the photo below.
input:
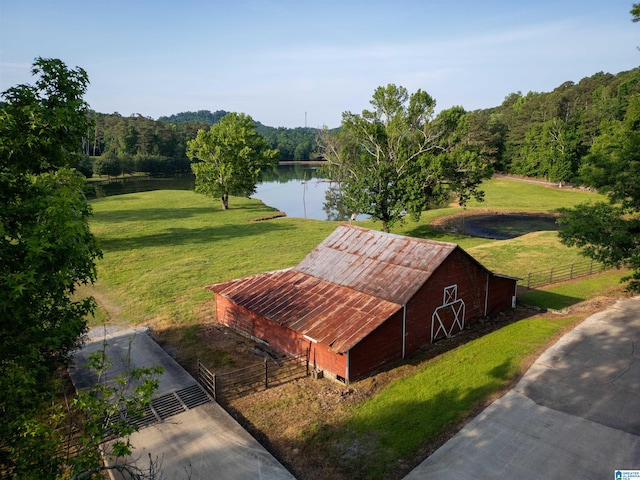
(294, 144)
(119, 145)
(549, 135)
(544, 135)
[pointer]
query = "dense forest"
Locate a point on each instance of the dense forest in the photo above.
(120, 144)
(545, 135)
(548, 135)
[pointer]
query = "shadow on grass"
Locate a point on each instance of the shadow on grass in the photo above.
(191, 236)
(147, 214)
(546, 299)
(429, 232)
(161, 213)
(378, 443)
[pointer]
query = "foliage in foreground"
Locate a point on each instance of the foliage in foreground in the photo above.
(46, 248)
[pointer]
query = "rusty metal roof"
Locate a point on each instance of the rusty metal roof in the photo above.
(329, 314)
(345, 288)
(387, 266)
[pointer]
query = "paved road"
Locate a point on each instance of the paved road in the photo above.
(575, 414)
(192, 436)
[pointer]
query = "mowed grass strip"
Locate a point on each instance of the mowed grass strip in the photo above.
(503, 194)
(413, 411)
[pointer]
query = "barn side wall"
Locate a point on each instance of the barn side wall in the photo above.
(332, 364)
(380, 347)
(501, 292)
(259, 328)
(278, 337)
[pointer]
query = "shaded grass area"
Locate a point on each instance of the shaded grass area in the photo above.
(161, 248)
(398, 422)
(566, 294)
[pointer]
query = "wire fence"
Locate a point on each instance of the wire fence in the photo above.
(561, 273)
(244, 381)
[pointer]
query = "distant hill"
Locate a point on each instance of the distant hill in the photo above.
(202, 116)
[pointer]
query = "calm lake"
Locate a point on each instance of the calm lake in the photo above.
(298, 190)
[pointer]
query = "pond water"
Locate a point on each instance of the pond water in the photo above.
(297, 189)
(501, 226)
(300, 191)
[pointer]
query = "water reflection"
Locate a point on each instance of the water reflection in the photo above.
(300, 191)
(296, 189)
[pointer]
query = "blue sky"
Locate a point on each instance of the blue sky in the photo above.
(277, 59)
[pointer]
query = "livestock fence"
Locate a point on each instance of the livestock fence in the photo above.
(561, 273)
(243, 381)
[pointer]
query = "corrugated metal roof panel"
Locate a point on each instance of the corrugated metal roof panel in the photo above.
(387, 266)
(331, 314)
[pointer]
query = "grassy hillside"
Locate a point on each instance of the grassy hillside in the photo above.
(161, 248)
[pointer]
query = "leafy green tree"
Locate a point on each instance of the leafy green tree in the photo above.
(46, 247)
(71, 442)
(398, 158)
(635, 12)
(610, 232)
(228, 158)
(548, 151)
(108, 164)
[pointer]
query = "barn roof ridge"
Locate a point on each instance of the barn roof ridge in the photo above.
(397, 235)
(386, 265)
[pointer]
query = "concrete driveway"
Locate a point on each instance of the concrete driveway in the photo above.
(191, 435)
(574, 414)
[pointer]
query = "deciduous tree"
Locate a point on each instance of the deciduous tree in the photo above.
(46, 247)
(399, 158)
(610, 232)
(228, 157)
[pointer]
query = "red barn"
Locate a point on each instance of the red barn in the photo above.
(363, 299)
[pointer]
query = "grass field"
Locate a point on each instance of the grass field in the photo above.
(161, 248)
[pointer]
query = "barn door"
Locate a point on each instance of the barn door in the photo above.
(448, 318)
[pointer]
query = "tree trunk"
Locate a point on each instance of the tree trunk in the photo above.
(225, 202)
(385, 226)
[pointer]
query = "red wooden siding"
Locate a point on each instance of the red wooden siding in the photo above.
(381, 347)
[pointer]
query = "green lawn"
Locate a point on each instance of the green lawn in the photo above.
(162, 247)
(399, 421)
